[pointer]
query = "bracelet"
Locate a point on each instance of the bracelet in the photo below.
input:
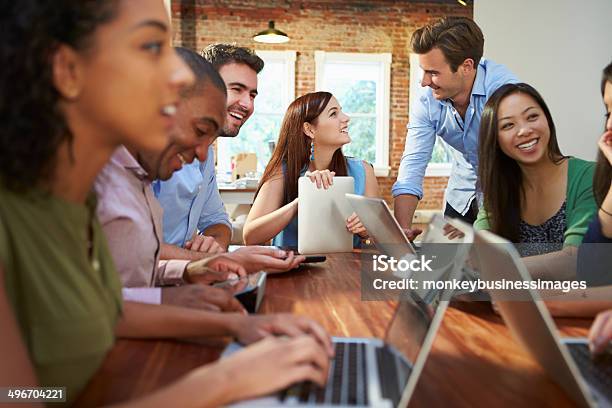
(605, 212)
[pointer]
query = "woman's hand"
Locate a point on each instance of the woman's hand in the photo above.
(271, 365)
(249, 329)
(218, 269)
(323, 178)
(600, 334)
(605, 145)
(272, 260)
(354, 225)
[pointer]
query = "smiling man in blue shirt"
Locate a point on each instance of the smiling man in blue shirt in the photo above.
(191, 198)
(456, 83)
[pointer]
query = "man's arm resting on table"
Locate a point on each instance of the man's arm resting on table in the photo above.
(169, 251)
(221, 233)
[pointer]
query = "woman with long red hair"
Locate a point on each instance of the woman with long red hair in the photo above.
(310, 143)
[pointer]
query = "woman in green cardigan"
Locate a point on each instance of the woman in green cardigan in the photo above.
(80, 78)
(534, 196)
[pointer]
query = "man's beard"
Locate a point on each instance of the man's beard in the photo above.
(229, 131)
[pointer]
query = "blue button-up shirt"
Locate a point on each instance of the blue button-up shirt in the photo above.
(191, 200)
(430, 117)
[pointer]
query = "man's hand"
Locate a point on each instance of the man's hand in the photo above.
(203, 243)
(201, 297)
(250, 329)
(412, 233)
(217, 269)
(451, 232)
(272, 260)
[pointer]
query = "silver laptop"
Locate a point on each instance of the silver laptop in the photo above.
(389, 237)
(322, 217)
(370, 372)
(383, 228)
(566, 360)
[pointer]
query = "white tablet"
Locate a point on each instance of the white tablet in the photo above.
(322, 216)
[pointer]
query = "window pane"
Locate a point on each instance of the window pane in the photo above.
(254, 137)
(363, 139)
(360, 97)
(270, 88)
(354, 85)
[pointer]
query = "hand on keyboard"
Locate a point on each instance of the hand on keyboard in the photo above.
(600, 335)
(253, 328)
(273, 364)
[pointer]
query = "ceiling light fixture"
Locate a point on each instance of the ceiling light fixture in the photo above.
(271, 35)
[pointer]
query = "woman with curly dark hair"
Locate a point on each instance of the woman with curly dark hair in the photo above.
(80, 78)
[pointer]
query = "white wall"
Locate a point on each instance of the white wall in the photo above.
(560, 47)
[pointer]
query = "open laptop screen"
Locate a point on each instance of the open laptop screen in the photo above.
(382, 227)
(410, 325)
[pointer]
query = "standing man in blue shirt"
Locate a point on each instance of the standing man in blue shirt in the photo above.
(191, 198)
(456, 83)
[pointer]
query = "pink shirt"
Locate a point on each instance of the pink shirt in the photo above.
(132, 221)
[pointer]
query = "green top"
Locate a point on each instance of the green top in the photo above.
(579, 202)
(66, 302)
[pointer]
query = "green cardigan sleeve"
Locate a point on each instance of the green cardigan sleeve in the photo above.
(580, 203)
(482, 220)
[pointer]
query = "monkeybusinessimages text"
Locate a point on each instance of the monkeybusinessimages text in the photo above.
(415, 267)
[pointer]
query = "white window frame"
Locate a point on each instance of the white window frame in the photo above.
(289, 58)
(416, 73)
(383, 96)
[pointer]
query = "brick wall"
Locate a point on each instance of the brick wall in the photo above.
(328, 25)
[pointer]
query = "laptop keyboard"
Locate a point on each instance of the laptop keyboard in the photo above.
(597, 372)
(347, 382)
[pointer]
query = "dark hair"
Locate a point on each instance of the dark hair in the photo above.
(499, 176)
(203, 71)
(293, 148)
(603, 170)
(34, 127)
(459, 38)
(222, 54)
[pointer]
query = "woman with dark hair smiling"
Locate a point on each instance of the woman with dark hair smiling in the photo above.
(79, 79)
(595, 254)
(312, 134)
(534, 196)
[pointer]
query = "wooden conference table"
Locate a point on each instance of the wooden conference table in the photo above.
(473, 362)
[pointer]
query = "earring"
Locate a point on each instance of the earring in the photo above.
(312, 150)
